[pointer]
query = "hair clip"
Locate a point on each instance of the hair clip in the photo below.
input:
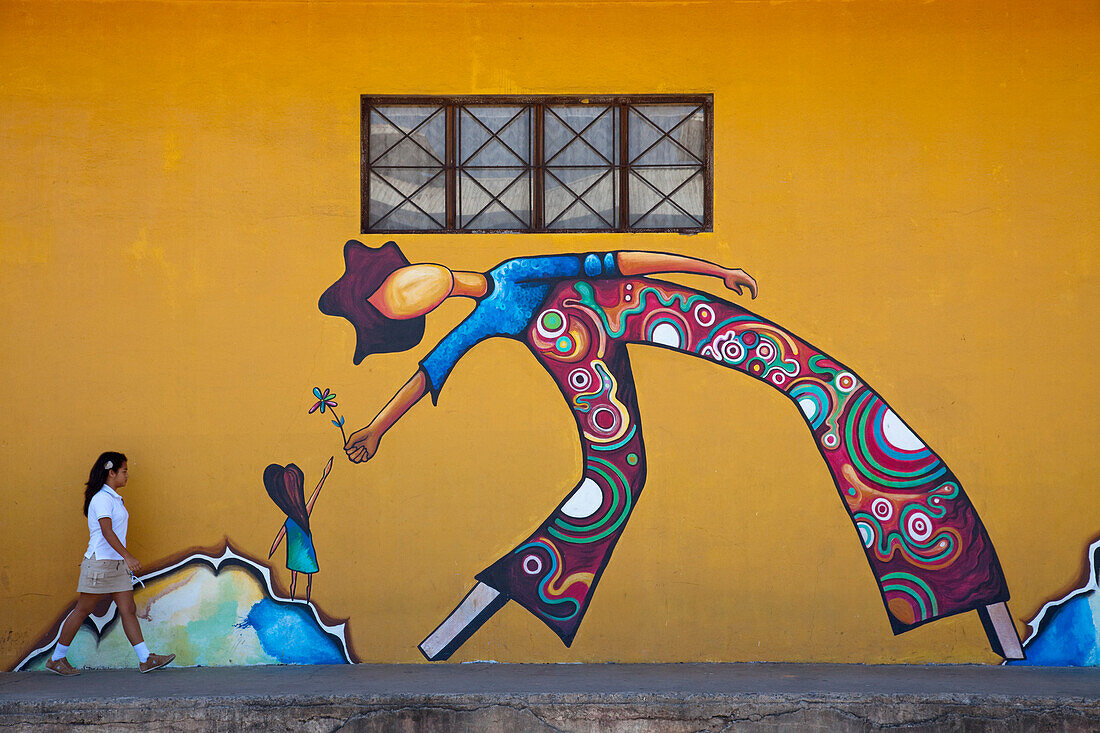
(108, 465)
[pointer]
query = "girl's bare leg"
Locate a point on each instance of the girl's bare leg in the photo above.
(127, 609)
(293, 582)
(84, 606)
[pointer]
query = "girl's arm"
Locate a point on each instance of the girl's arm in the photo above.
(651, 263)
(112, 539)
(363, 443)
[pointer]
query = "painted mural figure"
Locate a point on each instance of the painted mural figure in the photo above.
(926, 546)
(284, 485)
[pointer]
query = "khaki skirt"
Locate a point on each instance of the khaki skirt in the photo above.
(104, 576)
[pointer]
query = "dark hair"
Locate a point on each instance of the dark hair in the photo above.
(365, 269)
(107, 462)
(286, 487)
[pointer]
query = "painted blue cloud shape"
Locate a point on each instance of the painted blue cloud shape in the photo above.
(289, 634)
(1066, 632)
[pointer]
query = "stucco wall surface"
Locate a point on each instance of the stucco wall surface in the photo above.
(914, 185)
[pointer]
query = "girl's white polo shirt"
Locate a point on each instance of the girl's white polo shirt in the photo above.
(106, 503)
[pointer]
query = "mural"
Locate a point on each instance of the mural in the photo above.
(284, 485)
(216, 608)
(210, 608)
(1066, 632)
(927, 548)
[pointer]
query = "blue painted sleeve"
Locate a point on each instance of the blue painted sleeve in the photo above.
(558, 267)
(439, 362)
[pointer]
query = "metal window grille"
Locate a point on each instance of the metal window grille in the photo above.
(537, 164)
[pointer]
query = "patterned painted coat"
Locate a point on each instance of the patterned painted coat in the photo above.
(926, 546)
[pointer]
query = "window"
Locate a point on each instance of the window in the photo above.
(536, 164)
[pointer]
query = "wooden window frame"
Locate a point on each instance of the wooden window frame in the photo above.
(452, 105)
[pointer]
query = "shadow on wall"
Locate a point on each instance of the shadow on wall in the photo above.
(212, 609)
(1066, 632)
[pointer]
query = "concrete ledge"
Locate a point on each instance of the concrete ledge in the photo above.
(500, 697)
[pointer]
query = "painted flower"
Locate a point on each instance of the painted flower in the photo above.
(325, 399)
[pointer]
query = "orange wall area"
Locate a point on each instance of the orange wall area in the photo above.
(914, 185)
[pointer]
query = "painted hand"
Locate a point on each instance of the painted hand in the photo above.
(736, 279)
(363, 444)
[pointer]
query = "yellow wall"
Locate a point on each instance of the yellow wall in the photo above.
(914, 186)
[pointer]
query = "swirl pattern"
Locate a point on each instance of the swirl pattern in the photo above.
(923, 540)
(561, 598)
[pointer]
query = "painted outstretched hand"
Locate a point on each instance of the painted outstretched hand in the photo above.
(654, 263)
(737, 279)
(363, 444)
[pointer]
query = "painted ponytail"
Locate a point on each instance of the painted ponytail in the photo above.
(107, 462)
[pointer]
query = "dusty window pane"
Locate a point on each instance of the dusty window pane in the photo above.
(689, 197)
(407, 136)
(666, 134)
(494, 136)
(580, 135)
(665, 216)
(580, 146)
(407, 198)
(474, 163)
(580, 198)
(666, 197)
(494, 198)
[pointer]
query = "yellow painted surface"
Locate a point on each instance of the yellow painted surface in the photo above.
(914, 185)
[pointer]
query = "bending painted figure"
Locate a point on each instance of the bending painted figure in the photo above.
(926, 546)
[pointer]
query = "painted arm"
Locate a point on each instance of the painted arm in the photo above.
(651, 263)
(363, 443)
(112, 539)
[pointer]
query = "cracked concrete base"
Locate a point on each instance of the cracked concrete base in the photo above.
(675, 698)
(690, 714)
(551, 713)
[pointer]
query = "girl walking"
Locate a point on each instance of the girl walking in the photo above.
(108, 567)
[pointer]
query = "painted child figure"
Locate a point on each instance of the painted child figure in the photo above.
(284, 485)
(922, 537)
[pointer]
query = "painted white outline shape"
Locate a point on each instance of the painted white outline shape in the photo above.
(1092, 585)
(338, 630)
